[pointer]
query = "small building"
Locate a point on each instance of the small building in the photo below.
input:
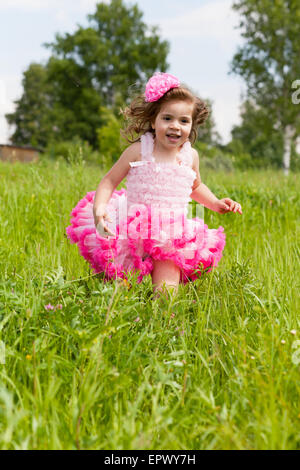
(13, 153)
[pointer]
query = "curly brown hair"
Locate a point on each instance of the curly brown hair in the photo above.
(141, 114)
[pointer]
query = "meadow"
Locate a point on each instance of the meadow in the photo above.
(88, 364)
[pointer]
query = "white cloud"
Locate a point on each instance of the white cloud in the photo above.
(226, 114)
(10, 90)
(25, 4)
(213, 21)
(29, 5)
(2, 94)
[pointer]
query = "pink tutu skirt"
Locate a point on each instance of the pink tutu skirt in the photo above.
(141, 237)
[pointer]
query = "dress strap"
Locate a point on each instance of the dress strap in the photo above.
(185, 153)
(146, 150)
(147, 147)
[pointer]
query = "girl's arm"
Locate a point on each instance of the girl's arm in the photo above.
(111, 180)
(203, 195)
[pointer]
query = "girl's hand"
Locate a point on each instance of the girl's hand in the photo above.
(227, 205)
(101, 226)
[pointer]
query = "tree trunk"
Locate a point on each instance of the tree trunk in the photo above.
(288, 135)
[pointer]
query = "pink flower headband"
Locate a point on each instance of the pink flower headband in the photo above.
(159, 84)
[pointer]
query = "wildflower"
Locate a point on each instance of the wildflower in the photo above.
(137, 319)
(49, 307)
(58, 306)
(81, 301)
(282, 341)
(172, 315)
(252, 357)
(28, 357)
(126, 283)
(182, 333)
(293, 332)
(126, 298)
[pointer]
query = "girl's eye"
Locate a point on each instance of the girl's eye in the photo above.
(166, 118)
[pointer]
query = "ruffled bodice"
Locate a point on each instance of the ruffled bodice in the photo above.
(160, 184)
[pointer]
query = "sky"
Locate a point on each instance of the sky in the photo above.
(203, 37)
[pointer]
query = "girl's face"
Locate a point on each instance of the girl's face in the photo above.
(173, 124)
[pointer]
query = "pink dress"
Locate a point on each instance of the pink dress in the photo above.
(150, 220)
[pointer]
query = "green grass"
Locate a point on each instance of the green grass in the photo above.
(210, 368)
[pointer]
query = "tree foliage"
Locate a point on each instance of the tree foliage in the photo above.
(257, 136)
(110, 142)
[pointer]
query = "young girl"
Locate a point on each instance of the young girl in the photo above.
(145, 228)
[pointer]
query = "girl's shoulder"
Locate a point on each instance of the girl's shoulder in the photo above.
(134, 150)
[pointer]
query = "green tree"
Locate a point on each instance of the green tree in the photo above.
(257, 136)
(75, 102)
(269, 61)
(31, 117)
(110, 142)
(93, 67)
